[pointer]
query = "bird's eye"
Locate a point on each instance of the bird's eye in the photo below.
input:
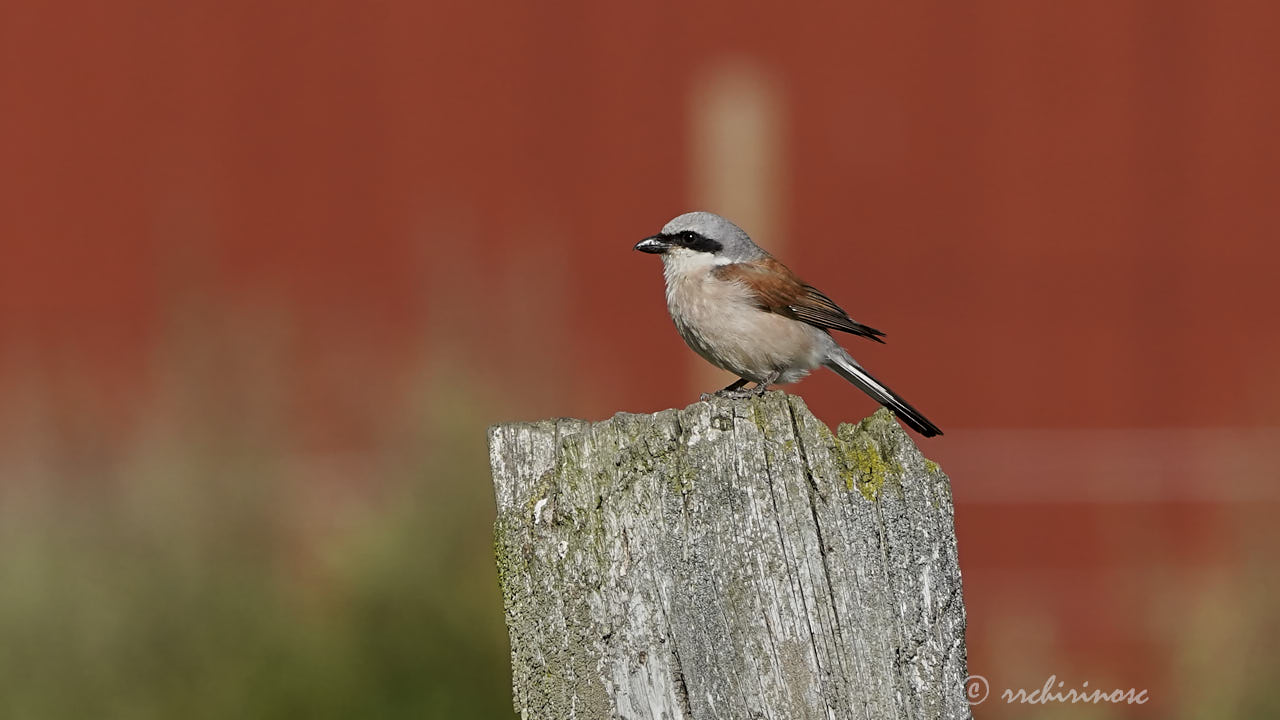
(697, 242)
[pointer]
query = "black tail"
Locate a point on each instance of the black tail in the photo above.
(850, 370)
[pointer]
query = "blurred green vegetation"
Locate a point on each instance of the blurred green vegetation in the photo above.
(196, 565)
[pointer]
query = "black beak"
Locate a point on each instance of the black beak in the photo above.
(655, 245)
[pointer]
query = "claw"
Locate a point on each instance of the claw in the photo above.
(730, 394)
(736, 391)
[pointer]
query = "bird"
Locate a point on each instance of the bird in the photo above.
(745, 312)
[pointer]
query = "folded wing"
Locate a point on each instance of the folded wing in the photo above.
(778, 290)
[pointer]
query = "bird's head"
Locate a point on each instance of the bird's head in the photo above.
(700, 238)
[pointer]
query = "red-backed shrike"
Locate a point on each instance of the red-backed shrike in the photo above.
(745, 312)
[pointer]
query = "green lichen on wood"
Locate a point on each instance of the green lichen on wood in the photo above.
(507, 557)
(683, 480)
(757, 414)
(872, 470)
(544, 485)
(867, 452)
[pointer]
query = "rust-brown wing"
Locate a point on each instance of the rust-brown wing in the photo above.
(779, 291)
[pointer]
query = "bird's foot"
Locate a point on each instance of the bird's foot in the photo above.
(736, 391)
(735, 394)
(763, 387)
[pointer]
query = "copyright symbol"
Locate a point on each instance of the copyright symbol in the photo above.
(976, 689)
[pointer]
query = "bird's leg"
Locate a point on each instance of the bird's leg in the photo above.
(763, 387)
(732, 391)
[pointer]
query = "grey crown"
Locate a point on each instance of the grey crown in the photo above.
(737, 244)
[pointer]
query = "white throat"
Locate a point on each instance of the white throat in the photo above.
(681, 263)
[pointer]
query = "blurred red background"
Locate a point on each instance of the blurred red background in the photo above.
(1063, 214)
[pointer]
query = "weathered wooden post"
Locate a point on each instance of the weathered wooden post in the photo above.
(730, 560)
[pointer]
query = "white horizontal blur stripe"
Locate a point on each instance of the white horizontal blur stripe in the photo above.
(1226, 465)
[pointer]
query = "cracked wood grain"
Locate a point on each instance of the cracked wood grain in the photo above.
(733, 559)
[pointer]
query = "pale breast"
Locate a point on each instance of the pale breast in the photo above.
(720, 321)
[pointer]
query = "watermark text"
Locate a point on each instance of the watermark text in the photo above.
(977, 689)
